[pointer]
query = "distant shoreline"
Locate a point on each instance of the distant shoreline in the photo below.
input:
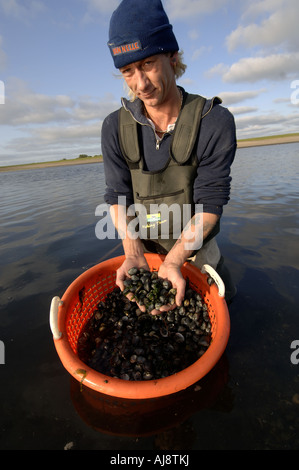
(269, 140)
(255, 142)
(34, 166)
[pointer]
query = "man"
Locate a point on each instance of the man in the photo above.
(148, 162)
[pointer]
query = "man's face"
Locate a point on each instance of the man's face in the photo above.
(152, 79)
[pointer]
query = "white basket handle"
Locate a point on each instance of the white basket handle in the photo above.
(56, 302)
(215, 276)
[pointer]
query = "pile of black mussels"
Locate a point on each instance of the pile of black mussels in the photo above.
(121, 341)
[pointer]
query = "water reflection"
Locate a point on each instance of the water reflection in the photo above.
(124, 417)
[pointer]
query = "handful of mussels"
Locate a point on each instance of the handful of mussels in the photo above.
(121, 341)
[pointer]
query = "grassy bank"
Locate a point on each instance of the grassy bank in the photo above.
(64, 162)
(269, 140)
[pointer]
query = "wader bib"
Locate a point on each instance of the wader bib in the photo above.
(164, 199)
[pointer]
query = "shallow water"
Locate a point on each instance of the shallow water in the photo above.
(250, 401)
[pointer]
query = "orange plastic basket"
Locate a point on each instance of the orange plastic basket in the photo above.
(69, 315)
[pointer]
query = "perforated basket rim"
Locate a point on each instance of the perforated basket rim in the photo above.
(150, 388)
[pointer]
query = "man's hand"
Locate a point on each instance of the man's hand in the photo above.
(172, 273)
(122, 272)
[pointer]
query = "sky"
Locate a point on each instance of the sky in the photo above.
(58, 81)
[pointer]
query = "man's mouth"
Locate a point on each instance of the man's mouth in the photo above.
(148, 95)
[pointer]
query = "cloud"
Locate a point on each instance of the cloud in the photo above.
(218, 69)
(279, 28)
(2, 55)
(25, 107)
(102, 6)
(257, 8)
(55, 135)
(275, 67)
(46, 143)
(175, 9)
(22, 10)
(50, 127)
(193, 34)
(98, 9)
(235, 110)
(186, 81)
(232, 97)
(199, 52)
(266, 124)
(268, 30)
(178, 9)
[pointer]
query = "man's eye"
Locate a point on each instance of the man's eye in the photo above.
(148, 64)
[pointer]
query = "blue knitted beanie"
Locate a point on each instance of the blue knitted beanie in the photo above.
(139, 29)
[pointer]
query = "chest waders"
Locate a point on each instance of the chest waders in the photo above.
(164, 199)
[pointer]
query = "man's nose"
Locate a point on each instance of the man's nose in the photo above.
(142, 80)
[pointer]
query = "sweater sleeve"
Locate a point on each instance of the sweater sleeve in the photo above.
(216, 151)
(117, 173)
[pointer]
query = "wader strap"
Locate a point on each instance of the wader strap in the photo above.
(128, 136)
(184, 137)
(186, 128)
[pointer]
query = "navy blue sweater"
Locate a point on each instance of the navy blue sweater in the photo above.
(216, 149)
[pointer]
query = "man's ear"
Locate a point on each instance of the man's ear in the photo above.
(174, 58)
